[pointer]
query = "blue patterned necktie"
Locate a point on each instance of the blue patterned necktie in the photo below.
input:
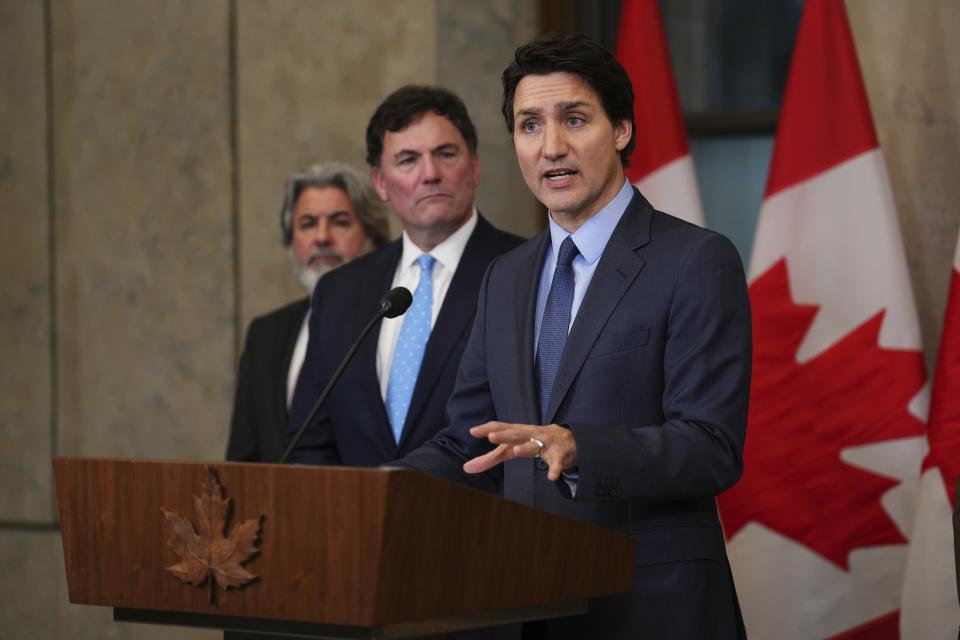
(411, 343)
(555, 324)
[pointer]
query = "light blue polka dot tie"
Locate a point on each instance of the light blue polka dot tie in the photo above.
(411, 343)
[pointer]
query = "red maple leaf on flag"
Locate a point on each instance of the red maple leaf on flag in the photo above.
(803, 415)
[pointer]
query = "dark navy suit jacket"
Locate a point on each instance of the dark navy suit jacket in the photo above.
(654, 382)
(260, 405)
(353, 429)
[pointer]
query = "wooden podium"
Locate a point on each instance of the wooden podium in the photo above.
(343, 552)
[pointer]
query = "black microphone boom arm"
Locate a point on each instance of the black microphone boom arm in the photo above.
(394, 303)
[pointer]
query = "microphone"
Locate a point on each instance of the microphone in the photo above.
(394, 303)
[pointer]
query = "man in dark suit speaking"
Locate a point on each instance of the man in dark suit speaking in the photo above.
(330, 215)
(422, 150)
(607, 373)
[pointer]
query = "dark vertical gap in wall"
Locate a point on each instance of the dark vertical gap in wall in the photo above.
(51, 237)
(235, 177)
(599, 20)
(555, 16)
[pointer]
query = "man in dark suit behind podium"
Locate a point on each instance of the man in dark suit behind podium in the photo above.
(607, 373)
(422, 150)
(330, 215)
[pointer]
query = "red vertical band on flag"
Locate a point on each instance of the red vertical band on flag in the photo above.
(825, 118)
(642, 50)
(943, 427)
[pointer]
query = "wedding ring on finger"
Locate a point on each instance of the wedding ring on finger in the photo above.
(539, 443)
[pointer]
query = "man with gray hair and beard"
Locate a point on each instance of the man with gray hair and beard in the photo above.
(330, 215)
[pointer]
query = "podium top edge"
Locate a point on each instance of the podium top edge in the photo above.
(226, 463)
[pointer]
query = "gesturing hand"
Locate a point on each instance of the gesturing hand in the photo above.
(521, 440)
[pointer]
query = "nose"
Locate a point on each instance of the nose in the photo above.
(554, 142)
(321, 235)
(431, 170)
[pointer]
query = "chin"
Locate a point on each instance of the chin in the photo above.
(309, 276)
(445, 219)
(558, 203)
(437, 213)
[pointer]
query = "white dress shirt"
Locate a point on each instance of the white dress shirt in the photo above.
(447, 255)
(296, 359)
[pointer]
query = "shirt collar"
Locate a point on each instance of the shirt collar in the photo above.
(592, 236)
(448, 252)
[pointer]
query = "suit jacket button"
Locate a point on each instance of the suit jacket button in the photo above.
(541, 464)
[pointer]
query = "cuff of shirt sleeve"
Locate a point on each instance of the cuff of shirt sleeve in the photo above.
(571, 477)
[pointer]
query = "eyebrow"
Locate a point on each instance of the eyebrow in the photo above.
(446, 146)
(567, 106)
(559, 107)
(333, 214)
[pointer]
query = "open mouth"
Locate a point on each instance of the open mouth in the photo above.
(559, 175)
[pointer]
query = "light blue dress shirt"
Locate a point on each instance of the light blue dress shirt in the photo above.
(591, 239)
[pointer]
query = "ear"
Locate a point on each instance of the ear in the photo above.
(622, 133)
(376, 175)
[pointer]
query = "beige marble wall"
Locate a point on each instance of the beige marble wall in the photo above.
(144, 244)
(25, 375)
(910, 57)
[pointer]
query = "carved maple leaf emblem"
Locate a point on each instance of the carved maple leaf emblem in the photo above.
(204, 551)
(803, 415)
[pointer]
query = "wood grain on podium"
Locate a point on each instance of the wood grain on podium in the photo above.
(338, 546)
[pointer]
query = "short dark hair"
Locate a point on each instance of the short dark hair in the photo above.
(577, 54)
(409, 103)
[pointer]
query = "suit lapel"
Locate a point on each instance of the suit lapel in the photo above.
(618, 268)
(525, 307)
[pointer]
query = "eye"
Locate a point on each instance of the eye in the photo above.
(529, 126)
(575, 121)
(406, 160)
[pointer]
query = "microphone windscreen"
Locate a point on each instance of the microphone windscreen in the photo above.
(395, 302)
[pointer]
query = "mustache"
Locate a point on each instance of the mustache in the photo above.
(323, 252)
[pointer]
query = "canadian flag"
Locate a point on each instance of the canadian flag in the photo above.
(660, 166)
(929, 607)
(817, 527)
